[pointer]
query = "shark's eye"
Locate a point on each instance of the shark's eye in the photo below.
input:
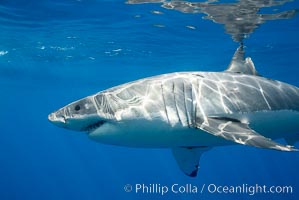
(77, 108)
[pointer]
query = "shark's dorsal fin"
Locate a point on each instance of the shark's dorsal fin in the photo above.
(241, 65)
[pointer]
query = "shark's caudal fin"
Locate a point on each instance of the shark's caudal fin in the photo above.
(188, 159)
(239, 132)
(292, 140)
(241, 65)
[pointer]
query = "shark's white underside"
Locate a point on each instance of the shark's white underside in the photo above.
(154, 134)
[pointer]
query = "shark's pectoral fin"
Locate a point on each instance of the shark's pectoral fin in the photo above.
(188, 158)
(236, 131)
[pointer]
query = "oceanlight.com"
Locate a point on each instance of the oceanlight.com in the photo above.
(160, 189)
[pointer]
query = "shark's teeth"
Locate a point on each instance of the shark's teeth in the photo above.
(94, 126)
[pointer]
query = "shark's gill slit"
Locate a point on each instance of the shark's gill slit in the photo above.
(164, 103)
(175, 103)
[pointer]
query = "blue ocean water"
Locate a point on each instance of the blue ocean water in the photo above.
(53, 52)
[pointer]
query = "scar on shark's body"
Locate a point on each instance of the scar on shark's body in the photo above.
(190, 112)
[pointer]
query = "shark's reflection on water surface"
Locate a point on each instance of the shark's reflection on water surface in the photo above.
(240, 18)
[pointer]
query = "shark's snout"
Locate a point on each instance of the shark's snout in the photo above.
(58, 120)
(76, 117)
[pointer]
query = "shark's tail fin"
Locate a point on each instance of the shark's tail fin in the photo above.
(292, 140)
(241, 65)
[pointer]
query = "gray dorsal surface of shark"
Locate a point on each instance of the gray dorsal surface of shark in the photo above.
(190, 112)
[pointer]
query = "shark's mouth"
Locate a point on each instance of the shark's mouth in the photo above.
(93, 126)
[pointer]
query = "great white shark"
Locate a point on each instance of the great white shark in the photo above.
(190, 112)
